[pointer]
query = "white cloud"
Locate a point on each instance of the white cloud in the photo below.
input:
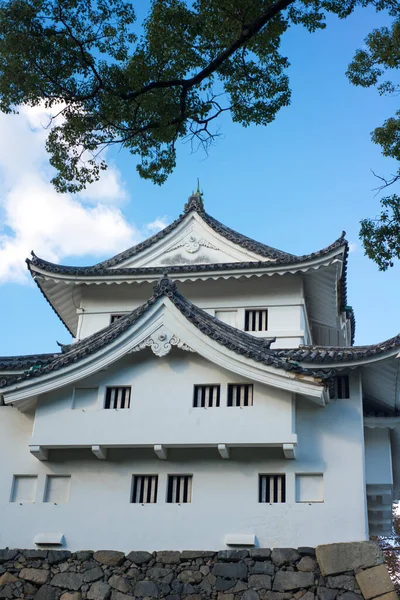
(156, 225)
(33, 216)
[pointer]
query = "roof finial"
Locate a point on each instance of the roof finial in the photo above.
(195, 201)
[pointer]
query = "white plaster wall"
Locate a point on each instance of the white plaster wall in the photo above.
(282, 295)
(161, 410)
(99, 513)
(378, 457)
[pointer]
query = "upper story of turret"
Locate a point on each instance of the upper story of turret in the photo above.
(247, 284)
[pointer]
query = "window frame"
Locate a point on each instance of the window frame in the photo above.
(228, 397)
(197, 386)
(135, 476)
(180, 475)
(283, 488)
(246, 319)
(116, 387)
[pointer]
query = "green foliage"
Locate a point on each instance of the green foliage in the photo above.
(370, 67)
(145, 89)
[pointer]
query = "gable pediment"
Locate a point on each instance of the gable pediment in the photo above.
(193, 242)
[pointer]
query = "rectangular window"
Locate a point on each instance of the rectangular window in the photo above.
(114, 318)
(24, 488)
(206, 396)
(256, 320)
(341, 388)
(240, 394)
(179, 490)
(144, 489)
(57, 489)
(272, 488)
(118, 397)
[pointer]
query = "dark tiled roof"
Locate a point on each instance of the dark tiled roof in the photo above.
(20, 363)
(238, 341)
(328, 354)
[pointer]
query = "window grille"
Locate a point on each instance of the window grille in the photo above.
(206, 396)
(118, 397)
(340, 388)
(179, 489)
(272, 488)
(256, 320)
(240, 394)
(144, 489)
(115, 318)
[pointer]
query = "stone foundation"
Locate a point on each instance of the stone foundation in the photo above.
(352, 571)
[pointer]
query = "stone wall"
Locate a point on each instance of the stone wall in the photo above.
(351, 571)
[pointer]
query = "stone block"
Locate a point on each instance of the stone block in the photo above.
(221, 585)
(284, 556)
(350, 556)
(29, 588)
(7, 555)
(39, 576)
(146, 589)
(120, 596)
(306, 551)
(225, 596)
(342, 582)
(193, 554)
(35, 554)
(268, 595)
(324, 593)
(119, 583)
(260, 553)
(230, 570)
(258, 582)
(262, 568)
(111, 558)
(286, 581)
(232, 555)
(83, 555)
(99, 591)
(46, 592)
(251, 595)
(306, 564)
(374, 582)
(139, 557)
(7, 578)
(55, 557)
(71, 596)
(6, 592)
(350, 596)
(190, 576)
(69, 581)
(93, 574)
(389, 596)
(169, 557)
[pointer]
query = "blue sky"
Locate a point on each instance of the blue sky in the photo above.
(295, 185)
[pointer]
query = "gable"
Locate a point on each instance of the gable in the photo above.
(192, 242)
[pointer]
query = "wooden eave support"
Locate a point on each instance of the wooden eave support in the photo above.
(161, 451)
(100, 452)
(223, 451)
(289, 450)
(39, 452)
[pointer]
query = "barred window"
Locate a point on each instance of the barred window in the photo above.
(144, 490)
(240, 394)
(256, 320)
(114, 318)
(118, 397)
(206, 396)
(272, 488)
(179, 490)
(340, 388)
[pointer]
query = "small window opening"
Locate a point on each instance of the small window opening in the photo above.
(206, 396)
(118, 397)
(114, 318)
(179, 490)
(272, 488)
(340, 389)
(256, 320)
(144, 489)
(240, 394)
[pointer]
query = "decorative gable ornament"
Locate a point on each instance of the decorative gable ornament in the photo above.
(161, 343)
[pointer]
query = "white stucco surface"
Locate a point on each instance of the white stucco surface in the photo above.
(99, 513)
(378, 457)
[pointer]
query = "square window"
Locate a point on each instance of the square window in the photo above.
(24, 488)
(309, 487)
(57, 489)
(272, 488)
(118, 397)
(256, 320)
(340, 388)
(144, 490)
(179, 489)
(240, 394)
(206, 396)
